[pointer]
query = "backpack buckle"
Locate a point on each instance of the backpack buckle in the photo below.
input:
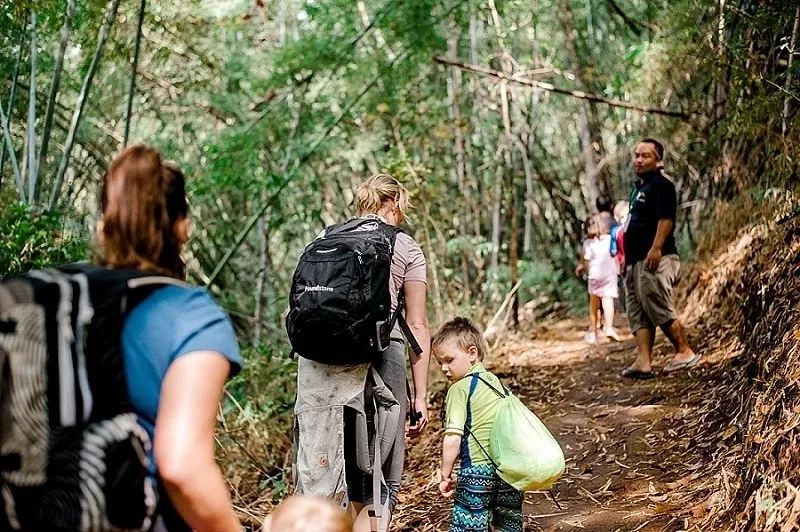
(378, 333)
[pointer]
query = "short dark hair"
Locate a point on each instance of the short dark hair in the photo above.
(658, 146)
(463, 331)
(603, 203)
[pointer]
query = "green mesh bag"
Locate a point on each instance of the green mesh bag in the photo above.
(521, 448)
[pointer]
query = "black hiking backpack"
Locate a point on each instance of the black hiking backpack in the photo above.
(72, 455)
(340, 304)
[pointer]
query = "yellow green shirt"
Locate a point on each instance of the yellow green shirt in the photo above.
(471, 403)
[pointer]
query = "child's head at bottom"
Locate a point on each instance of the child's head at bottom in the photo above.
(457, 346)
(302, 513)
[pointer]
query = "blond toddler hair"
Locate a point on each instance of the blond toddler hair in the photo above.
(303, 513)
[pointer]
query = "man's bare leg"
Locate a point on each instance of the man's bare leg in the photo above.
(645, 338)
(674, 331)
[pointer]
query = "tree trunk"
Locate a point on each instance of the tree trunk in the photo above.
(77, 114)
(53, 96)
(513, 249)
(497, 208)
(454, 94)
(261, 300)
(584, 127)
(789, 77)
(721, 92)
(507, 146)
(477, 192)
(528, 227)
(7, 121)
(134, 66)
(31, 151)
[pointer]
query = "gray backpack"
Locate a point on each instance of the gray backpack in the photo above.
(72, 455)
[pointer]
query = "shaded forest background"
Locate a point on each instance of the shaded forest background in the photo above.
(506, 119)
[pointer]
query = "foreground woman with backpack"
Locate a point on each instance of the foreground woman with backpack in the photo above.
(357, 295)
(103, 369)
(178, 344)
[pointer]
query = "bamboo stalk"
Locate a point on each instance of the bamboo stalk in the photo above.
(134, 66)
(31, 149)
(54, 87)
(14, 78)
(792, 53)
(12, 157)
(80, 105)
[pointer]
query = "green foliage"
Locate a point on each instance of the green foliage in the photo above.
(34, 239)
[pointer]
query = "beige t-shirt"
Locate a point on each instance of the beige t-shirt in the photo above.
(408, 264)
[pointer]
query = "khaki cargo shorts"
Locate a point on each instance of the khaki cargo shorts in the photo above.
(649, 294)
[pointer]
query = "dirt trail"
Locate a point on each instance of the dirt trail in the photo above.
(630, 445)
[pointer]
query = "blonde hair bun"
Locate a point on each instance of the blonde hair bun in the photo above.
(375, 191)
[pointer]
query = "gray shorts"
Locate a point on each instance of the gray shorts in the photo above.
(649, 294)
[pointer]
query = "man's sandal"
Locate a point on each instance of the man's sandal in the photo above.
(686, 364)
(633, 373)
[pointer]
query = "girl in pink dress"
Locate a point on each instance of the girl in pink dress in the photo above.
(603, 270)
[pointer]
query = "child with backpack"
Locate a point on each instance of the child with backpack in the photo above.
(482, 498)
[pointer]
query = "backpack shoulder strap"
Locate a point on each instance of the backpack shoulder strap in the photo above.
(495, 390)
(467, 430)
(399, 318)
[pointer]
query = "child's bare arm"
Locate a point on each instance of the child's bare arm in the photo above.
(450, 449)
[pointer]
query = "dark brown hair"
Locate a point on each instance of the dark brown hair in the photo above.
(142, 200)
(463, 332)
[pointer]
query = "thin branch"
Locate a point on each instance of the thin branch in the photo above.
(632, 24)
(52, 98)
(134, 66)
(102, 37)
(550, 88)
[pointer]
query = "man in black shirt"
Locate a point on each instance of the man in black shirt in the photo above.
(651, 259)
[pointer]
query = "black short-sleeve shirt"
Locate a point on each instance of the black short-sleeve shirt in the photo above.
(652, 200)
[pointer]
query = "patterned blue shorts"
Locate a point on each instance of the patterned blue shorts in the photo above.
(482, 498)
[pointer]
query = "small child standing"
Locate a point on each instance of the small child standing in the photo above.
(621, 210)
(482, 498)
(603, 272)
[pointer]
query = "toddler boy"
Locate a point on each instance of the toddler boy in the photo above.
(482, 498)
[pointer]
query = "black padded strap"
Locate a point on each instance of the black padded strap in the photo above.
(397, 317)
(409, 334)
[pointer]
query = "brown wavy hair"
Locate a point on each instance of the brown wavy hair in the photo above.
(142, 200)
